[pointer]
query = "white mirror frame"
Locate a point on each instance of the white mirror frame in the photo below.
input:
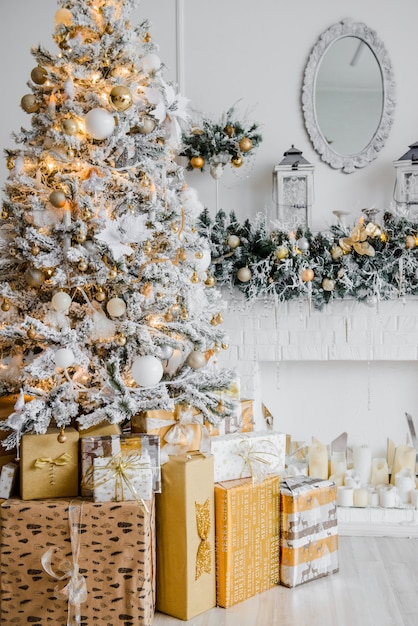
(346, 28)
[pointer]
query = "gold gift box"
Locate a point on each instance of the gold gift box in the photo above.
(117, 559)
(49, 468)
(247, 538)
(152, 423)
(308, 530)
(186, 584)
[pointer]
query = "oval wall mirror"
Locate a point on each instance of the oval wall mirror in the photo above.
(348, 95)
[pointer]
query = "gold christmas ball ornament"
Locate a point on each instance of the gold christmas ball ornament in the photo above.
(5, 305)
(35, 250)
(229, 130)
(194, 278)
(39, 75)
(121, 98)
(233, 241)
(29, 103)
(197, 162)
(410, 242)
(307, 275)
(64, 17)
(58, 199)
(182, 254)
(282, 252)
(237, 161)
(31, 332)
(210, 281)
(184, 315)
(70, 126)
(120, 339)
(328, 284)
(220, 407)
(147, 125)
(62, 437)
(245, 144)
(4, 214)
(168, 316)
(196, 360)
(82, 266)
(112, 273)
(100, 295)
(148, 248)
(225, 346)
(244, 274)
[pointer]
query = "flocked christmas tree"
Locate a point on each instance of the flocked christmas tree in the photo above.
(107, 308)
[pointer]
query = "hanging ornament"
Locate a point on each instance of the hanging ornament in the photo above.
(39, 75)
(196, 360)
(100, 295)
(194, 278)
(197, 162)
(237, 161)
(220, 408)
(70, 126)
(184, 314)
(57, 199)
(147, 125)
(168, 316)
(35, 250)
(233, 241)
(245, 144)
(328, 284)
(120, 97)
(82, 266)
(100, 124)
(229, 130)
(61, 301)
(120, 340)
(410, 242)
(166, 352)
(151, 63)
(201, 260)
(64, 357)
(303, 244)
(112, 273)
(62, 437)
(31, 332)
(34, 277)
(116, 307)
(64, 17)
(147, 371)
(29, 103)
(225, 346)
(5, 305)
(216, 170)
(244, 274)
(307, 275)
(282, 252)
(210, 281)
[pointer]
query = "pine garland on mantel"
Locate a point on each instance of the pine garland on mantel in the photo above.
(368, 262)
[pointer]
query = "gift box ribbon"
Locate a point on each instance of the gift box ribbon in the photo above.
(260, 460)
(203, 556)
(59, 461)
(118, 470)
(75, 591)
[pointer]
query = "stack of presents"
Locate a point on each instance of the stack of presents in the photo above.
(104, 526)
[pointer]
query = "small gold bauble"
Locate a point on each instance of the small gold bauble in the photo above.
(31, 332)
(214, 320)
(219, 318)
(233, 241)
(225, 346)
(220, 407)
(82, 266)
(168, 316)
(307, 275)
(237, 161)
(197, 162)
(121, 98)
(195, 278)
(229, 130)
(120, 339)
(147, 37)
(199, 255)
(184, 315)
(282, 252)
(113, 273)
(210, 281)
(245, 144)
(147, 125)
(5, 306)
(87, 214)
(148, 248)
(383, 237)
(35, 250)
(12, 251)
(81, 237)
(100, 295)
(70, 126)
(4, 214)
(410, 242)
(39, 75)
(62, 437)
(328, 284)
(10, 164)
(57, 199)
(174, 227)
(244, 274)
(182, 255)
(49, 272)
(29, 103)
(109, 29)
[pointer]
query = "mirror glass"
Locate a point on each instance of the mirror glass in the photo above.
(348, 95)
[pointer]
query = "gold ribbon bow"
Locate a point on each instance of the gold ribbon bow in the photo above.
(358, 240)
(203, 556)
(117, 469)
(59, 461)
(260, 455)
(75, 591)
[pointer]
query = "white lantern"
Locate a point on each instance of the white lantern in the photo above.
(64, 357)
(293, 190)
(147, 371)
(100, 124)
(116, 307)
(406, 186)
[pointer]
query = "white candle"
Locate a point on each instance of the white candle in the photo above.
(414, 497)
(405, 483)
(338, 479)
(362, 461)
(345, 496)
(338, 464)
(405, 458)
(372, 496)
(387, 496)
(352, 479)
(318, 460)
(360, 497)
(380, 472)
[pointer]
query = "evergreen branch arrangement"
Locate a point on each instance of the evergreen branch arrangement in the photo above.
(368, 263)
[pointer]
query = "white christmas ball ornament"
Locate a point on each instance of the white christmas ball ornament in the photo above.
(116, 307)
(100, 124)
(201, 260)
(64, 357)
(244, 274)
(61, 301)
(166, 352)
(196, 360)
(147, 371)
(151, 63)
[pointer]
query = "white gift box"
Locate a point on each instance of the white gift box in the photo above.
(245, 455)
(122, 477)
(8, 478)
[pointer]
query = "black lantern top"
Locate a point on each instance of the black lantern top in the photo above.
(294, 158)
(412, 154)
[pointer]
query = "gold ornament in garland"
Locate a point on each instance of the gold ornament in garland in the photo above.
(307, 275)
(197, 162)
(121, 98)
(245, 144)
(237, 161)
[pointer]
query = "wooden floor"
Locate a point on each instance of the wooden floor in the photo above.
(377, 585)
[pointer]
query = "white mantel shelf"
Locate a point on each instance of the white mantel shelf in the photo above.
(377, 522)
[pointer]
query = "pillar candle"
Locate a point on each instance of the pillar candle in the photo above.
(372, 496)
(405, 483)
(362, 462)
(414, 497)
(405, 458)
(360, 497)
(338, 479)
(380, 472)
(387, 496)
(345, 496)
(338, 464)
(318, 460)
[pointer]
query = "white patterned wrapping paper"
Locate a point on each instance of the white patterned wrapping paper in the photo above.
(8, 478)
(110, 486)
(245, 455)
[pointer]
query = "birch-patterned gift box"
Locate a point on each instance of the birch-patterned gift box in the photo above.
(122, 477)
(110, 446)
(245, 455)
(308, 530)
